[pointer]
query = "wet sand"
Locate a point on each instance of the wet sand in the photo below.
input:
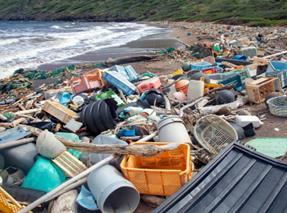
(148, 45)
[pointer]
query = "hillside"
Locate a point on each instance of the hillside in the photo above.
(252, 12)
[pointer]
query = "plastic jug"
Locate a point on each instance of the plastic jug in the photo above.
(195, 90)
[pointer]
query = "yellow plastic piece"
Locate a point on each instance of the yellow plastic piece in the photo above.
(162, 174)
(177, 72)
(208, 87)
(7, 203)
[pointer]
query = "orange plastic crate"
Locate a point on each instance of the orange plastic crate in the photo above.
(7, 203)
(87, 82)
(162, 174)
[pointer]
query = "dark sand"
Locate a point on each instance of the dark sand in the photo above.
(148, 45)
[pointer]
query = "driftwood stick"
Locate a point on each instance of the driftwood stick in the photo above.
(134, 149)
(29, 111)
(16, 143)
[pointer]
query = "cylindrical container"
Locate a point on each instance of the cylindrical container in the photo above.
(112, 191)
(171, 129)
(195, 90)
(21, 157)
(182, 86)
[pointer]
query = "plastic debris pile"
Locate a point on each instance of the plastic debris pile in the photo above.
(131, 136)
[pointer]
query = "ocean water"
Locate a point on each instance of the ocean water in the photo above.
(30, 44)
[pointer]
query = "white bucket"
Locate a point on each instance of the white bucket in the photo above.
(112, 191)
(171, 129)
(195, 90)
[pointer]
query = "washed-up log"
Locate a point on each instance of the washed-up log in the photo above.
(140, 150)
(16, 143)
(129, 59)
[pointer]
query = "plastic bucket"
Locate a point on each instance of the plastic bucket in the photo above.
(195, 90)
(112, 191)
(171, 129)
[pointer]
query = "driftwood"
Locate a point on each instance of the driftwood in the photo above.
(16, 143)
(29, 111)
(129, 59)
(276, 54)
(133, 149)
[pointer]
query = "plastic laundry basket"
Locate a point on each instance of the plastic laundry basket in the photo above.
(213, 133)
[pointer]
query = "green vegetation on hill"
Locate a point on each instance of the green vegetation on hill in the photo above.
(252, 12)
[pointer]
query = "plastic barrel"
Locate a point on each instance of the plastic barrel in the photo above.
(112, 191)
(171, 129)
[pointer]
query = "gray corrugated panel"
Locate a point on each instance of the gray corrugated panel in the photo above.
(237, 180)
(13, 134)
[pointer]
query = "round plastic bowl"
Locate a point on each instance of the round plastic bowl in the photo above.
(278, 106)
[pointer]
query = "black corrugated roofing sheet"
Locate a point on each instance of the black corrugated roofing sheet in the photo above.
(237, 180)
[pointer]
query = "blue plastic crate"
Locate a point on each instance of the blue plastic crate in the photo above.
(278, 69)
(200, 65)
(234, 80)
(119, 81)
(132, 74)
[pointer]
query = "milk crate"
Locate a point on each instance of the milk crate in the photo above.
(258, 90)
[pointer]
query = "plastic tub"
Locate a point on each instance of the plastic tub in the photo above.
(278, 106)
(162, 174)
(112, 191)
(171, 129)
